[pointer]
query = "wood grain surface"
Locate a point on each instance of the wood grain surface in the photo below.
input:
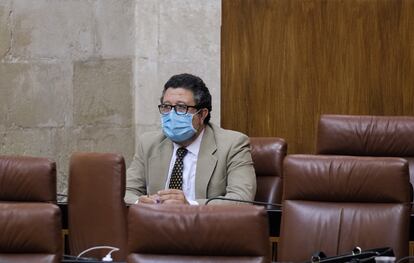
(285, 62)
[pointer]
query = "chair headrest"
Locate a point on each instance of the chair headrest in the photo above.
(267, 154)
(91, 170)
(366, 135)
(25, 178)
(216, 230)
(346, 179)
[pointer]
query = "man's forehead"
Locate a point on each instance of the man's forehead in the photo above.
(179, 94)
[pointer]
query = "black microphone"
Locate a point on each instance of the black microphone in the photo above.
(243, 201)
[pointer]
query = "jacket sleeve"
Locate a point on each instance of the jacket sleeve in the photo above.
(136, 180)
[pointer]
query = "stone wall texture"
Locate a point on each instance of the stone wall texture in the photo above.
(174, 36)
(86, 75)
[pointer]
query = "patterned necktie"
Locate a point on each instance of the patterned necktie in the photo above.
(176, 180)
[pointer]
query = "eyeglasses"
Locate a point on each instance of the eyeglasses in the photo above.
(180, 109)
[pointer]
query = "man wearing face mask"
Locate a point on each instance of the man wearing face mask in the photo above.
(191, 159)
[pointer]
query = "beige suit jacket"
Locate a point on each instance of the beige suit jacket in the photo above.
(224, 166)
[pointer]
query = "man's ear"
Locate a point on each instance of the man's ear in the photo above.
(204, 113)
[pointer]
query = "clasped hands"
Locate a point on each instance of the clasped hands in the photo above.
(167, 196)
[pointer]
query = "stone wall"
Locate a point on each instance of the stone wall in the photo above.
(86, 75)
(66, 78)
(175, 36)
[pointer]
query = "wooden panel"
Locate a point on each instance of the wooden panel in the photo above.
(284, 62)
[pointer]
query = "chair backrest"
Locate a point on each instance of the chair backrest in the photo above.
(216, 233)
(96, 207)
(30, 222)
(386, 136)
(24, 178)
(268, 154)
(335, 203)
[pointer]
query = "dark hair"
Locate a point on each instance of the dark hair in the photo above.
(202, 96)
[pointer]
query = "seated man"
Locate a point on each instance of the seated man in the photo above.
(192, 159)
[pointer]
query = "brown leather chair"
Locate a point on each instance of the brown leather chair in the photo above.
(334, 203)
(268, 154)
(386, 136)
(96, 207)
(171, 233)
(30, 221)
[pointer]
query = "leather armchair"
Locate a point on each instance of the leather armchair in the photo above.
(268, 154)
(334, 203)
(30, 221)
(96, 207)
(171, 233)
(386, 136)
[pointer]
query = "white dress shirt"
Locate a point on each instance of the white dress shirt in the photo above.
(190, 167)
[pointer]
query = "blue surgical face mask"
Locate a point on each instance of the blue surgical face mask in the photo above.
(178, 128)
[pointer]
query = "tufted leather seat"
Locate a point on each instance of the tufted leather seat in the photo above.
(379, 136)
(177, 233)
(268, 154)
(334, 203)
(30, 221)
(97, 211)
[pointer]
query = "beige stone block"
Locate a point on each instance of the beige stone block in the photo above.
(35, 95)
(104, 139)
(142, 128)
(115, 28)
(189, 29)
(149, 88)
(4, 95)
(146, 28)
(53, 29)
(103, 92)
(5, 31)
(89, 139)
(61, 142)
(30, 142)
(2, 140)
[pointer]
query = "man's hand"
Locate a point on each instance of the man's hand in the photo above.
(172, 196)
(151, 199)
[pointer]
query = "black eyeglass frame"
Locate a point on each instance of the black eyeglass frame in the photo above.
(175, 108)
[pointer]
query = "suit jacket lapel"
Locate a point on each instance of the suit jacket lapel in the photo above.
(159, 165)
(206, 163)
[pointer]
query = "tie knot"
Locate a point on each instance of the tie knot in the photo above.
(181, 152)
